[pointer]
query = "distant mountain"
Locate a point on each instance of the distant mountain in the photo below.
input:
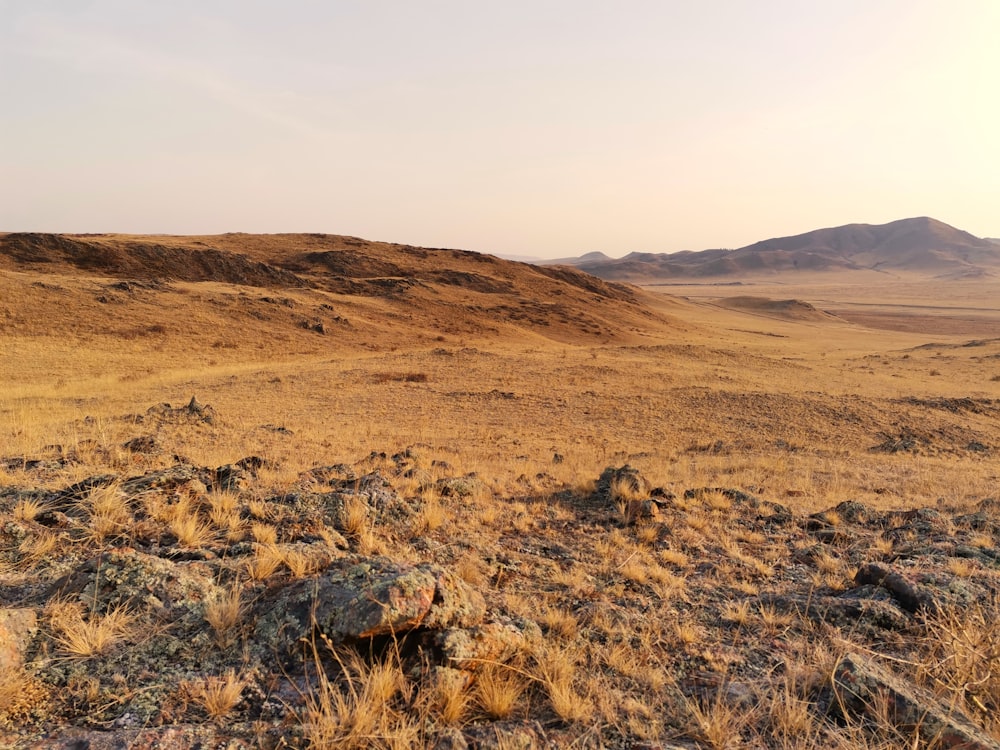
(594, 257)
(921, 245)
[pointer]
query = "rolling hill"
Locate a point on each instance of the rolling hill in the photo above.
(920, 245)
(291, 287)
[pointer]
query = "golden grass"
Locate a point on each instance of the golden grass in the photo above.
(499, 690)
(28, 509)
(108, 513)
(92, 636)
(191, 530)
(961, 657)
(358, 708)
(218, 695)
(224, 614)
(267, 559)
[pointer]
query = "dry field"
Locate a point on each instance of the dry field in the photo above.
(813, 492)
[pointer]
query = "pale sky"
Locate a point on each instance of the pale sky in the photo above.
(544, 128)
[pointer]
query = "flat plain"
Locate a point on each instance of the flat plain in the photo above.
(671, 515)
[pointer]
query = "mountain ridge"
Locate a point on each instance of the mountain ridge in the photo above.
(922, 244)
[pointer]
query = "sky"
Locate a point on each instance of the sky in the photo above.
(543, 128)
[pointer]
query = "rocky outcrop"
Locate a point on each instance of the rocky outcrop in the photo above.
(368, 597)
(862, 688)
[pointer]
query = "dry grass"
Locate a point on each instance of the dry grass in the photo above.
(556, 670)
(224, 614)
(91, 636)
(191, 530)
(711, 398)
(28, 509)
(499, 690)
(962, 660)
(108, 513)
(24, 699)
(267, 559)
(218, 695)
(360, 707)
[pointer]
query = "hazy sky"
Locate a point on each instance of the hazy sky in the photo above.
(547, 128)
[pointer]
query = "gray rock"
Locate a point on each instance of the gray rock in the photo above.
(860, 686)
(467, 648)
(843, 612)
(368, 597)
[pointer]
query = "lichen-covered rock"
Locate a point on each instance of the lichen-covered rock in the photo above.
(165, 479)
(467, 648)
(182, 737)
(367, 597)
(18, 626)
(166, 591)
(465, 486)
(862, 688)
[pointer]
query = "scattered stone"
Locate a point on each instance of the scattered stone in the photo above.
(861, 688)
(142, 444)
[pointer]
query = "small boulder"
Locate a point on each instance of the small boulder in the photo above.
(367, 597)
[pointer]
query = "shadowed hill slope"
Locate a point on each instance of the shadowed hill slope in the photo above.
(372, 294)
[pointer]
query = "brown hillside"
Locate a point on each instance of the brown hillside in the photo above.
(299, 293)
(789, 309)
